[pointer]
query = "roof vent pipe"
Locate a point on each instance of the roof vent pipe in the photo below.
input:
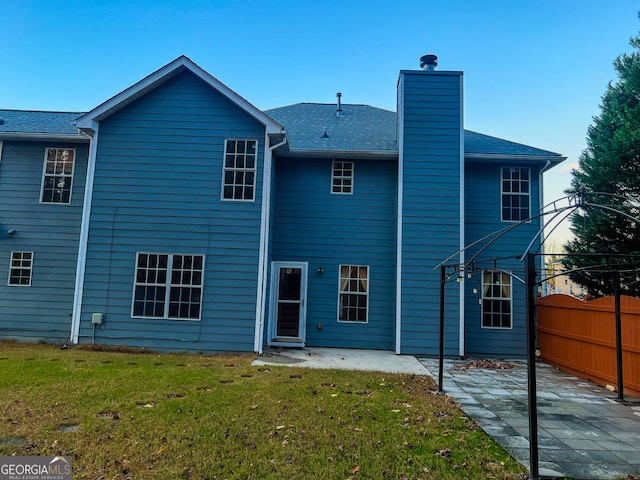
(429, 62)
(339, 105)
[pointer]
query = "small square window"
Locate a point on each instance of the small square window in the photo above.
(342, 177)
(239, 175)
(20, 269)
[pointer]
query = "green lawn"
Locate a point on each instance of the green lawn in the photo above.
(150, 416)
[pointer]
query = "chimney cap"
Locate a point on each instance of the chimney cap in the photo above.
(429, 62)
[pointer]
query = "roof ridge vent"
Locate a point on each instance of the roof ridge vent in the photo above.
(339, 112)
(429, 62)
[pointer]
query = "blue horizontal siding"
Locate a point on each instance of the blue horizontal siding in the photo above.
(158, 189)
(312, 225)
(431, 149)
(483, 207)
(42, 311)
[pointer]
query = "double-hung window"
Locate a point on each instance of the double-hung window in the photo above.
(239, 175)
(516, 194)
(168, 286)
(353, 298)
(496, 299)
(57, 176)
(20, 268)
(342, 177)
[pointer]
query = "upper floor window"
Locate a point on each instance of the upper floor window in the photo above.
(57, 176)
(342, 177)
(168, 286)
(496, 299)
(516, 194)
(239, 176)
(354, 293)
(21, 268)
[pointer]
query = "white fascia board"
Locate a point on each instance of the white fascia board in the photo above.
(52, 137)
(158, 77)
(354, 154)
(498, 157)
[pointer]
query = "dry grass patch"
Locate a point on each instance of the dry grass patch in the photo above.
(124, 415)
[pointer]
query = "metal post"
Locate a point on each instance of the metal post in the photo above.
(530, 284)
(616, 289)
(443, 279)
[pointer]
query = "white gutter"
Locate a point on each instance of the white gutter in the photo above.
(400, 214)
(264, 243)
(53, 137)
(84, 237)
(351, 154)
(461, 334)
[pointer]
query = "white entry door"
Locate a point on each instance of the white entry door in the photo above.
(288, 304)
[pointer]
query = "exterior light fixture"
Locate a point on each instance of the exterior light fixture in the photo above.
(320, 270)
(11, 231)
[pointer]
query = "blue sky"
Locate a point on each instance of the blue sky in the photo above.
(534, 70)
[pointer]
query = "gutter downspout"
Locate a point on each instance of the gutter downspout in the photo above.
(264, 244)
(541, 203)
(84, 237)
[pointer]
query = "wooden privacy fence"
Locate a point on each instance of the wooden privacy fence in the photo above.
(580, 338)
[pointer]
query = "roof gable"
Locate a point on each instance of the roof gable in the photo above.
(87, 121)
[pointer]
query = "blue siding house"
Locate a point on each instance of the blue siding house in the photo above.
(177, 216)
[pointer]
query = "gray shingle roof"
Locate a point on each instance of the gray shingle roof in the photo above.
(361, 128)
(475, 142)
(29, 121)
(366, 128)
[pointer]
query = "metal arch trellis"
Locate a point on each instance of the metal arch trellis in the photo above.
(574, 202)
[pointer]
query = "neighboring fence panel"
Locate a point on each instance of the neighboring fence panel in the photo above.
(579, 337)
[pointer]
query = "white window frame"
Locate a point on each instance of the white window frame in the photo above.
(167, 285)
(19, 258)
(57, 175)
(350, 292)
(513, 182)
(337, 175)
(488, 295)
(234, 170)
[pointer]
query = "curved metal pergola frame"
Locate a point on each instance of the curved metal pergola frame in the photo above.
(574, 202)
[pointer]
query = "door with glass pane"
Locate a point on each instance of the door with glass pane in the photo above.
(289, 282)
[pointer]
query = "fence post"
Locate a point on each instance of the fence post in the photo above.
(530, 285)
(616, 289)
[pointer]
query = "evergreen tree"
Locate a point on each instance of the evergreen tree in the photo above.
(609, 176)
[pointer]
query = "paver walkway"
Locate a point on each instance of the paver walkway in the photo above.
(583, 432)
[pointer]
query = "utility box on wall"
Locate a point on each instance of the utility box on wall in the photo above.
(97, 318)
